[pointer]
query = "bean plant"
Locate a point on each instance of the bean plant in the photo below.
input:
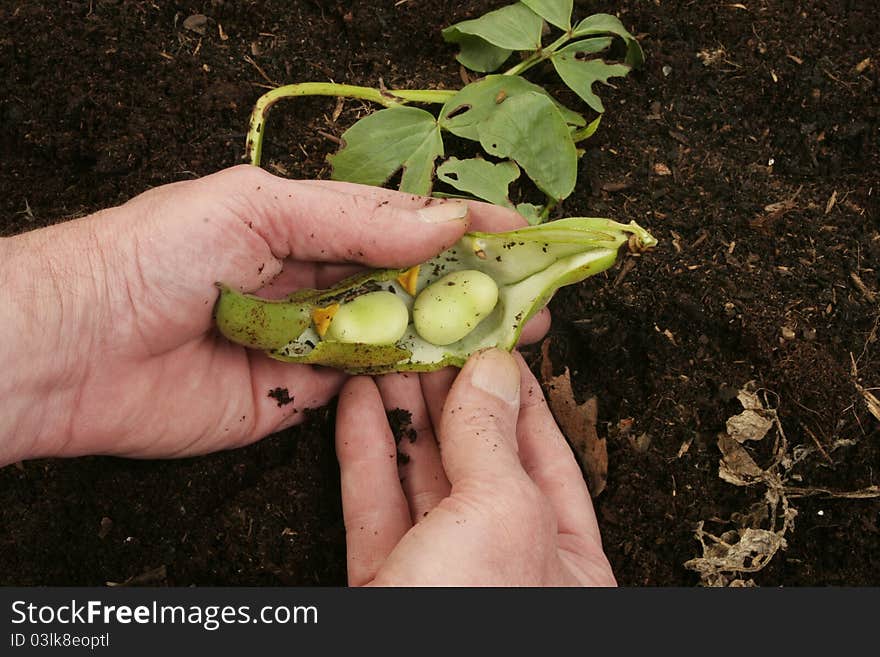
(519, 125)
(480, 292)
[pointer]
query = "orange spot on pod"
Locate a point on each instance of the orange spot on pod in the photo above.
(409, 279)
(322, 317)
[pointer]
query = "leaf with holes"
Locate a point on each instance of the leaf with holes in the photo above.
(555, 12)
(608, 24)
(579, 73)
(380, 144)
(530, 130)
(483, 179)
(531, 213)
(478, 101)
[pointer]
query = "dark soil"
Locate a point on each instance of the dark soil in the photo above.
(759, 115)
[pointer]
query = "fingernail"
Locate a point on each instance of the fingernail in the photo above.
(438, 213)
(497, 373)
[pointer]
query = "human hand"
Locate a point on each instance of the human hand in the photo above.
(107, 325)
(490, 494)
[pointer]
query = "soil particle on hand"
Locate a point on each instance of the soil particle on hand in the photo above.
(400, 421)
(281, 395)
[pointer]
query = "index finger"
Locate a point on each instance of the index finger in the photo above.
(483, 216)
(329, 224)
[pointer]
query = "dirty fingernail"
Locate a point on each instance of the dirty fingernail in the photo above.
(497, 373)
(442, 212)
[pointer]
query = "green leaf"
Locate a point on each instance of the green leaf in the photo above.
(555, 12)
(515, 27)
(478, 101)
(608, 24)
(580, 74)
(589, 131)
(382, 143)
(530, 130)
(483, 179)
(531, 212)
(479, 55)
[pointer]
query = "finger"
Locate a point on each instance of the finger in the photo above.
(549, 461)
(435, 385)
(421, 472)
(297, 275)
(282, 392)
(483, 216)
(294, 275)
(329, 274)
(435, 388)
(374, 508)
(316, 223)
(478, 424)
(536, 328)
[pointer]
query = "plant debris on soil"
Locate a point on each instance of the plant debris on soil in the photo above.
(749, 145)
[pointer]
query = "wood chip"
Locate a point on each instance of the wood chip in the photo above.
(864, 289)
(680, 138)
(831, 202)
(871, 400)
(337, 110)
(612, 187)
(685, 446)
(196, 23)
(155, 576)
(861, 494)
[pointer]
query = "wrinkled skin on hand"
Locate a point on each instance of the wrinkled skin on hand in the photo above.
(489, 492)
(107, 319)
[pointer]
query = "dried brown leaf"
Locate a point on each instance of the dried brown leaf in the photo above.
(871, 400)
(739, 551)
(737, 466)
(578, 423)
(749, 425)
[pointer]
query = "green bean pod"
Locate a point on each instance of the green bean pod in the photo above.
(377, 332)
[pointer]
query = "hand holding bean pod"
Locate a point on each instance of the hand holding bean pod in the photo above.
(477, 294)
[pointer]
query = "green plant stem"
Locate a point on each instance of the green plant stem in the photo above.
(548, 208)
(538, 56)
(384, 97)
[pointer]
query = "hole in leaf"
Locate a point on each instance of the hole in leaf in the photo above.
(458, 111)
(395, 180)
(452, 175)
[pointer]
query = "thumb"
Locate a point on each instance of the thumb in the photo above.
(338, 224)
(478, 425)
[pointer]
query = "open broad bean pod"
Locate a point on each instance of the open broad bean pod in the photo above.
(477, 294)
